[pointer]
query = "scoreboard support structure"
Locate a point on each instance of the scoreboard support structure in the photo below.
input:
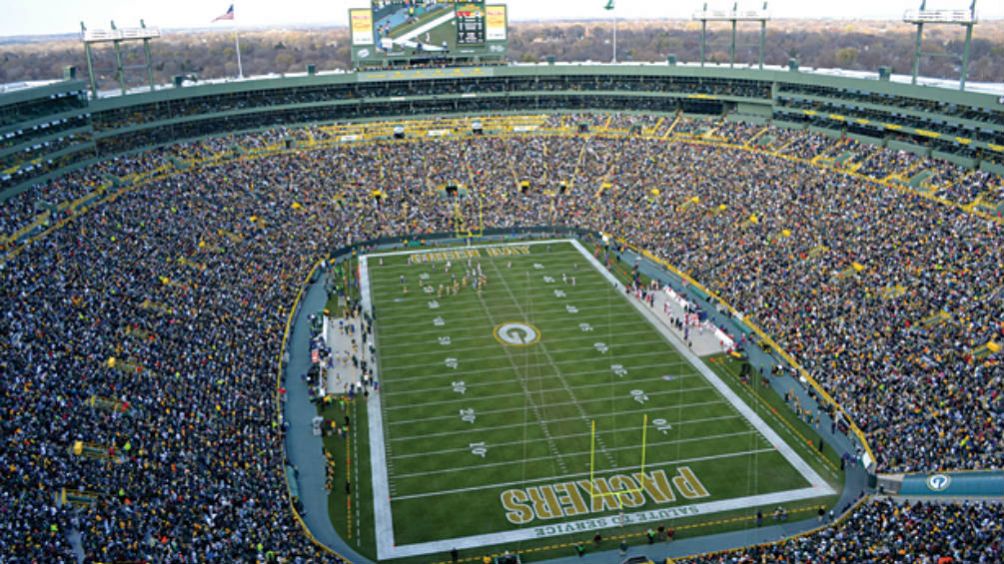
(116, 37)
(965, 18)
(733, 16)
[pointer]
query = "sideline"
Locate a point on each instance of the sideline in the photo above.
(807, 472)
(383, 526)
(299, 447)
(869, 459)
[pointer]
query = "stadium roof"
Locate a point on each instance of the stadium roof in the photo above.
(995, 88)
(15, 86)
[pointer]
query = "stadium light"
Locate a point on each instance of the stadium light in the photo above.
(124, 34)
(611, 8)
(919, 17)
(733, 16)
(116, 36)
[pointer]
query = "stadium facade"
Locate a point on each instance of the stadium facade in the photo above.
(50, 130)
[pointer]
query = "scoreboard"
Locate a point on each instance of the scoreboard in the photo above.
(471, 23)
(399, 33)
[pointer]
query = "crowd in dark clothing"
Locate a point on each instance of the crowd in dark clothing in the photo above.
(886, 530)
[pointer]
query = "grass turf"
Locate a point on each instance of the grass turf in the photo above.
(533, 405)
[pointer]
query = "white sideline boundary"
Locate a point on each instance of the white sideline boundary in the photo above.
(598, 523)
(815, 480)
(383, 525)
(384, 529)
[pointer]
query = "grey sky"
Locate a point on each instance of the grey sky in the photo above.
(34, 17)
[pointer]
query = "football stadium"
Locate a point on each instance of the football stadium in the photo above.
(449, 308)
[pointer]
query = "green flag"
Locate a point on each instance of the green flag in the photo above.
(610, 5)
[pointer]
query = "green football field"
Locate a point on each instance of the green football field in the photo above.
(544, 403)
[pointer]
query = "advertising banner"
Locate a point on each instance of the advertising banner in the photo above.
(361, 22)
(495, 23)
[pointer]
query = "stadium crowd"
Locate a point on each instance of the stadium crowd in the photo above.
(886, 530)
(178, 342)
(148, 329)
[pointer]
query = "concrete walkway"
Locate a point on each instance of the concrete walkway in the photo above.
(659, 551)
(702, 340)
(344, 373)
(305, 451)
(76, 540)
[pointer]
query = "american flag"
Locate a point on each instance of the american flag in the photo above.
(227, 16)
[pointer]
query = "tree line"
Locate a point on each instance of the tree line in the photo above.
(854, 45)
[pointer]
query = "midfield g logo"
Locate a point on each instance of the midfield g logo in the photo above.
(938, 482)
(516, 334)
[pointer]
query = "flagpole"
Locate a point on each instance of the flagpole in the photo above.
(237, 44)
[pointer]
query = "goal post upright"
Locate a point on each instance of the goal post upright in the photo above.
(644, 436)
(592, 458)
(592, 463)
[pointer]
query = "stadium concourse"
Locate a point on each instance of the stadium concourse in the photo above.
(138, 375)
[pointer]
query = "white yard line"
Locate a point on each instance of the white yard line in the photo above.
(555, 259)
(431, 338)
(675, 422)
(580, 453)
(410, 319)
(456, 247)
(551, 445)
(433, 347)
(557, 371)
(561, 477)
(562, 404)
(439, 330)
(613, 357)
(453, 375)
(468, 399)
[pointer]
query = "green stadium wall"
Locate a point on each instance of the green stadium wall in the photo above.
(118, 125)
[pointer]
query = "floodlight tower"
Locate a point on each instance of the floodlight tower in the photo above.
(610, 8)
(733, 16)
(116, 37)
(923, 16)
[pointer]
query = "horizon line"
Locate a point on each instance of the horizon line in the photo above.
(294, 25)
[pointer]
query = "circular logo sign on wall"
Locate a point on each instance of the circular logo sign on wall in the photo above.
(938, 482)
(516, 334)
